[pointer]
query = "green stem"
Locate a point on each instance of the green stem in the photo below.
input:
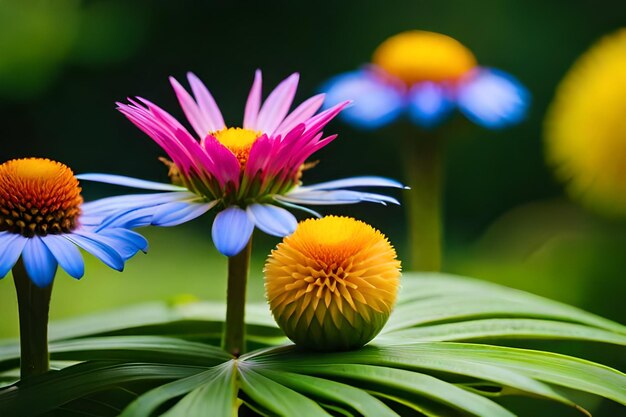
(233, 340)
(33, 304)
(423, 164)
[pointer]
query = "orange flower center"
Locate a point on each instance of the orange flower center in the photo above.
(416, 56)
(239, 141)
(38, 197)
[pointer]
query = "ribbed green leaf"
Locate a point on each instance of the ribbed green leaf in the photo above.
(402, 357)
(503, 328)
(411, 383)
(276, 398)
(517, 368)
(461, 307)
(553, 368)
(335, 392)
(128, 348)
(430, 297)
(147, 403)
(53, 389)
(160, 318)
(431, 410)
(216, 397)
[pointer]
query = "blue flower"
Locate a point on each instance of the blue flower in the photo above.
(488, 97)
(426, 76)
(43, 220)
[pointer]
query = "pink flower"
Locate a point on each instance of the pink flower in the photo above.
(249, 172)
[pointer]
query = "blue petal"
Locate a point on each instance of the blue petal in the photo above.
(297, 207)
(375, 103)
(93, 243)
(143, 213)
(129, 182)
(231, 230)
(125, 202)
(493, 99)
(173, 214)
(11, 245)
(356, 182)
(39, 262)
(126, 242)
(67, 255)
(319, 197)
(275, 221)
(429, 104)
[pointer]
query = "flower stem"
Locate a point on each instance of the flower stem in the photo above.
(233, 340)
(33, 304)
(423, 165)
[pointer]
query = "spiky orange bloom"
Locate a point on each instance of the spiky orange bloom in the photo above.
(332, 284)
(38, 197)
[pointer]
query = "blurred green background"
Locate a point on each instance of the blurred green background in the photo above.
(63, 64)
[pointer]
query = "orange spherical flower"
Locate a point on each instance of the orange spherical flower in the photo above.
(333, 283)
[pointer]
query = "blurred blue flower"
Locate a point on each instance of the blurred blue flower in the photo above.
(426, 76)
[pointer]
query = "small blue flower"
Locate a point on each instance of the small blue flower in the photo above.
(426, 76)
(488, 97)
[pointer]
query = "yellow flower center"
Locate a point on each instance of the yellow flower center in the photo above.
(416, 56)
(38, 197)
(239, 141)
(335, 264)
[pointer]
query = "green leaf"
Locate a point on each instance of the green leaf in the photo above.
(217, 397)
(553, 368)
(201, 318)
(145, 404)
(403, 357)
(53, 389)
(503, 328)
(429, 410)
(431, 297)
(350, 397)
(411, 383)
(276, 398)
(128, 348)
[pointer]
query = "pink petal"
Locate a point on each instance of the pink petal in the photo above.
(277, 105)
(259, 155)
(197, 120)
(145, 121)
(207, 104)
(320, 120)
(301, 114)
(227, 167)
(254, 101)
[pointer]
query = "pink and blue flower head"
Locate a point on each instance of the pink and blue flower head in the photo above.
(250, 174)
(44, 221)
(426, 76)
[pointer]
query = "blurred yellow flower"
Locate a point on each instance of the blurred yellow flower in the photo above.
(585, 127)
(332, 284)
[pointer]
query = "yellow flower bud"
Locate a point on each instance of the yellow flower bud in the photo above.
(332, 284)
